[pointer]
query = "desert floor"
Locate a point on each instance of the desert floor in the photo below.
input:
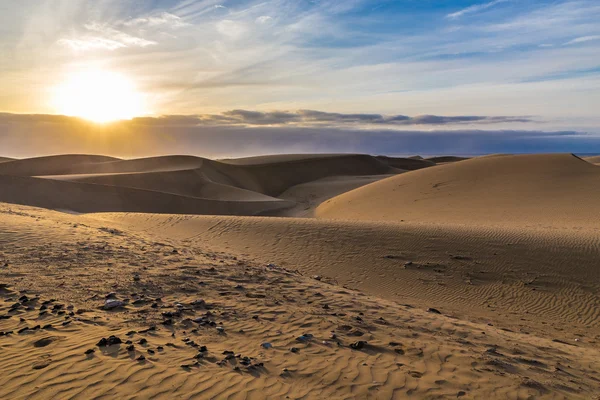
(301, 277)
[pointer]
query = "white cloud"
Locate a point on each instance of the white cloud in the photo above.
(104, 38)
(583, 39)
(263, 19)
(163, 19)
(474, 9)
(231, 29)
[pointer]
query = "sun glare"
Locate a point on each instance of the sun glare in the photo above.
(99, 96)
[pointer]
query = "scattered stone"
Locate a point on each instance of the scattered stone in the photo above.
(434, 311)
(142, 341)
(304, 338)
(112, 304)
(112, 340)
(141, 358)
(43, 342)
(266, 345)
(89, 351)
(358, 345)
(130, 348)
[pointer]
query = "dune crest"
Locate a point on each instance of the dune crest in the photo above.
(548, 190)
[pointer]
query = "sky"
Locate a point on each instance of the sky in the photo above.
(221, 78)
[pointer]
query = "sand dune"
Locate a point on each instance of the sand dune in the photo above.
(445, 159)
(234, 182)
(4, 159)
(556, 190)
(192, 183)
(469, 279)
(51, 165)
(308, 196)
(274, 175)
(407, 351)
(593, 160)
(85, 197)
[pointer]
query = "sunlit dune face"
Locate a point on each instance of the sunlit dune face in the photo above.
(99, 96)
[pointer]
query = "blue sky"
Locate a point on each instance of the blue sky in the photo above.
(533, 59)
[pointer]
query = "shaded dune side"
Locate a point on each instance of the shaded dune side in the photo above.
(192, 183)
(558, 190)
(407, 164)
(446, 159)
(51, 165)
(259, 180)
(309, 195)
(273, 178)
(5, 159)
(85, 197)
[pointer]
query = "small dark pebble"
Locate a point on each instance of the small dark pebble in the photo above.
(434, 311)
(358, 345)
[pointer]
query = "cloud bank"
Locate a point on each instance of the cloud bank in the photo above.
(34, 135)
(312, 117)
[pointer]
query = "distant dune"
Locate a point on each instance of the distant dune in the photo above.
(188, 184)
(593, 160)
(446, 159)
(558, 190)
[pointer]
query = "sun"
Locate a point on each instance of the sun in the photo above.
(99, 96)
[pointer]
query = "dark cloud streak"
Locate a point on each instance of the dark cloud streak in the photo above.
(33, 135)
(312, 118)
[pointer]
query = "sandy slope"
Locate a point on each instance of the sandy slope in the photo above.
(4, 159)
(85, 197)
(114, 185)
(505, 247)
(410, 352)
(554, 190)
(593, 160)
(308, 196)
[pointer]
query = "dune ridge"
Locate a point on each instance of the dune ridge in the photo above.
(259, 180)
(551, 190)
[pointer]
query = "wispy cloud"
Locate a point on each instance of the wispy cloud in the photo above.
(159, 20)
(101, 36)
(208, 56)
(474, 9)
(583, 39)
